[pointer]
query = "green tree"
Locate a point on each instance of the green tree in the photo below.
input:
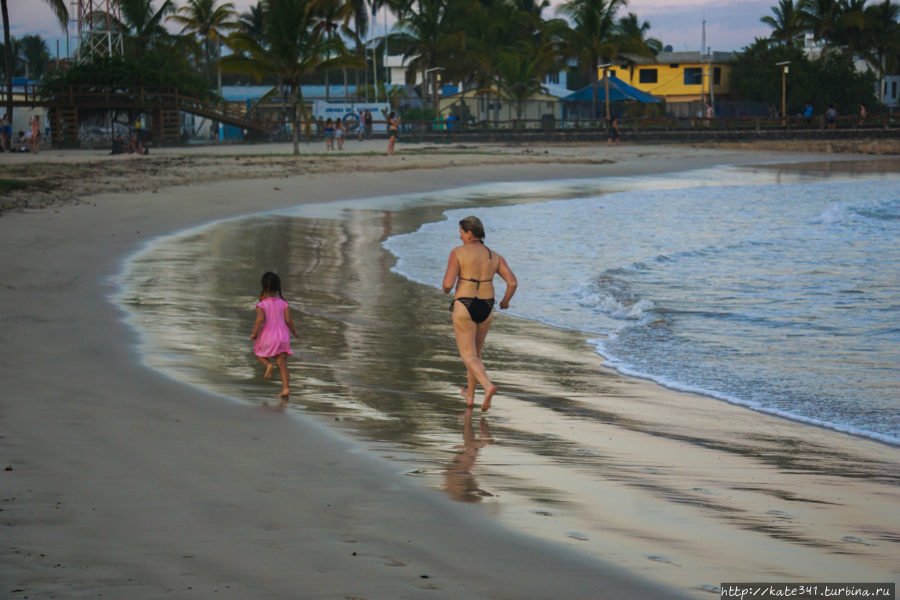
(142, 25)
(633, 40)
(822, 17)
(431, 37)
(35, 55)
(521, 73)
(882, 35)
(593, 38)
(62, 15)
(851, 25)
(294, 48)
(209, 22)
(831, 79)
(251, 22)
(788, 22)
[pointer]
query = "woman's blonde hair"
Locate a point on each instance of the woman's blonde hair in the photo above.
(473, 225)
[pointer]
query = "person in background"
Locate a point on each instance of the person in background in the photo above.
(339, 133)
(35, 140)
(393, 124)
(6, 134)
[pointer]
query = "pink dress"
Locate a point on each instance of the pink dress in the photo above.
(274, 336)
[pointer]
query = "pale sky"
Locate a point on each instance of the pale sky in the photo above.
(730, 24)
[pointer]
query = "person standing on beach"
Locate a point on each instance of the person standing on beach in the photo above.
(613, 125)
(393, 124)
(367, 121)
(471, 269)
(6, 134)
(35, 140)
(272, 330)
(339, 133)
(329, 134)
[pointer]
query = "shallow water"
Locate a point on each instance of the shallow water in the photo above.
(555, 457)
(783, 298)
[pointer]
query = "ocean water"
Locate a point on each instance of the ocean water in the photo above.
(782, 298)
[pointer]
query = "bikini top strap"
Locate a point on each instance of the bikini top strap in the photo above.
(478, 282)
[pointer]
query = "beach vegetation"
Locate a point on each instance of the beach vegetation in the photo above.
(62, 16)
(863, 29)
(142, 24)
(502, 50)
(295, 44)
(204, 23)
(831, 79)
(8, 185)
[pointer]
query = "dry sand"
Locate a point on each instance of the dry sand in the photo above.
(124, 483)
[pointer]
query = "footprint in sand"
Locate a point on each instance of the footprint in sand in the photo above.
(852, 539)
(664, 560)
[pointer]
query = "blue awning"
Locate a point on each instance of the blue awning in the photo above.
(618, 90)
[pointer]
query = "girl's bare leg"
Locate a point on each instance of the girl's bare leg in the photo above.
(281, 361)
(467, 335)
(268, 365)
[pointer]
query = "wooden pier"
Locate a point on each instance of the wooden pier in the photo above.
(162, 105)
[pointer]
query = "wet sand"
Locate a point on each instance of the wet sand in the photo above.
(122, 481)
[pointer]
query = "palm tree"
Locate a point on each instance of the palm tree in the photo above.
(210, 21)
(822, 17)
(143, 24)
(882, 47)
(521, 73)
(593, 37)
(329, 15)
(851, 25)
(788, 22)
(294, 48)
(62, 15)
(35, 54)
(430, 37)
(251, 21)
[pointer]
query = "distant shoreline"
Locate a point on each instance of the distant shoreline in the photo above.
(56, 177)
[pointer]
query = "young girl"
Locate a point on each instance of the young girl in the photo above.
(274, 316)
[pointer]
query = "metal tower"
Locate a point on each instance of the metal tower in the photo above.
(99, 28)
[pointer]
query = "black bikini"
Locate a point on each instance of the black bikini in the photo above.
(479, 308)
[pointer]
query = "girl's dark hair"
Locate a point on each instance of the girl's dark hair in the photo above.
(271, 284)
(474, 225)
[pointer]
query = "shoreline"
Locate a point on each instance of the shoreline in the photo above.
(75, 175)
(92, 438)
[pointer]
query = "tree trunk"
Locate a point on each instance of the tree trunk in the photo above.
(295, 122)
(7, 56)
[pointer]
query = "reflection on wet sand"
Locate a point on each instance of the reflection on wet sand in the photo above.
(459, 482)
(639, 472)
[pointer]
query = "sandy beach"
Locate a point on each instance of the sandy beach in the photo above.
(123, 480)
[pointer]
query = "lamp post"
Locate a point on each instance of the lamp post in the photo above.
(784, 71)
(605, 68)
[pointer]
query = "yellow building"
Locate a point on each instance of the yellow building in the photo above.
(685, 79)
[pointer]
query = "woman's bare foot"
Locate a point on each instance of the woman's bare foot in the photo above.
(285, 392)
(470, 398)
(488, 394)
(269, 368)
